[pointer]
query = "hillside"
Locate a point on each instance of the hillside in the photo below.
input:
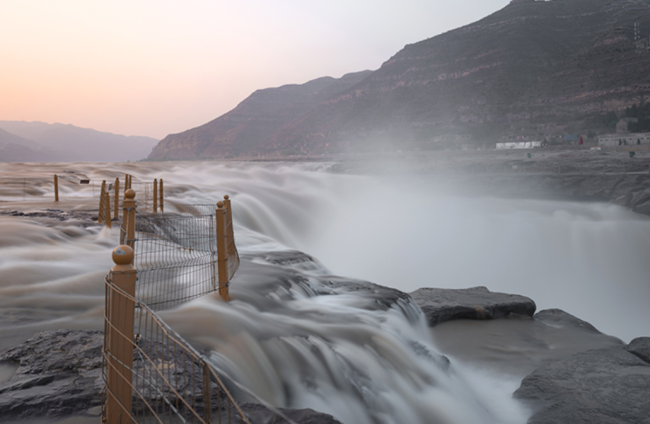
(534, 68)
(246, 129)
(18, 149)
(73, 143)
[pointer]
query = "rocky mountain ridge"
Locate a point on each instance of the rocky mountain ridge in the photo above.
(532, 69)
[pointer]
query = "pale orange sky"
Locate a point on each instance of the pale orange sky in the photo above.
(154, 67)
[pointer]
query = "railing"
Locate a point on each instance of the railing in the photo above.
(151, 374)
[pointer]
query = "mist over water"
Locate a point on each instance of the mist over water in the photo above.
(316, 342)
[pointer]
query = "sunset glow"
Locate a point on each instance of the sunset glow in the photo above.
(158, 67)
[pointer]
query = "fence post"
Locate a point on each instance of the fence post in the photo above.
(116, 211)
(207, 398)
(56, 188)
(155, 195)
(119, 352)
(162, 203)
(107, 213)
(127, 233)
(102, 208)
(222, 251)
(126, 182)
(230, 231)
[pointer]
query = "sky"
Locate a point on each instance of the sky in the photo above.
(155, 67)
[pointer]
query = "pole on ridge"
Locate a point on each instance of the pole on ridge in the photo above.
(118, 345)
(222, 251)
(162, 203)
(56, 188)
(155, 195)
(116, 211)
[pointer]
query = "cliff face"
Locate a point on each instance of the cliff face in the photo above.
(246, 129)
(533, 68)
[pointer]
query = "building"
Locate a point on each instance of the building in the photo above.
(519, 145)
(615, 140)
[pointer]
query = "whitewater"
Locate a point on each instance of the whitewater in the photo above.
(309, 333)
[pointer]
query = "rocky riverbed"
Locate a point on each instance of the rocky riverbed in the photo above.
(583, 376)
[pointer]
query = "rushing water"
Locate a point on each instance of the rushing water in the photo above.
(313, 342)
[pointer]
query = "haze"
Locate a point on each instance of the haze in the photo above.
(158, 67)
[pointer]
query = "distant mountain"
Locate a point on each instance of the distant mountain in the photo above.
(18, 149)
(246, 129)
(534, 68)
(71, 143)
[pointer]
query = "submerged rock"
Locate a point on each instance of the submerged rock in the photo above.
(440, 305)
(604, 386)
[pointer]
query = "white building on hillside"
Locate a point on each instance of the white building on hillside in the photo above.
(615, 140)
(519, 145)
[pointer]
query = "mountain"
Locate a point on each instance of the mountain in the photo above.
(18, 149)
(533, 69)
(246, 129)
(70, 143)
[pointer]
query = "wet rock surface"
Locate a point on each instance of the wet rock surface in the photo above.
(59, 375)
(259, 414)
(85, 218)
(441, 305)
(641, 348)
(605, 386)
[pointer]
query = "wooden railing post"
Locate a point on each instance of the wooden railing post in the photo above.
(102, 199)
(222, 251)
(127, 233)
(230, 231)
(162, 203)
(107, 209)
(155, 195)
(116, 211)
(56, 188)
(207, 396)
(119, 346)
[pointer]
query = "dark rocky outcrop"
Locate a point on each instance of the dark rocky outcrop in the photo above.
(604, 386)
(641, 348)
(59, 375)
(440, 305)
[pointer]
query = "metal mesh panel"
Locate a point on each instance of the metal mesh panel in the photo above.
(26, 189)
(167, 380)
(175, 258)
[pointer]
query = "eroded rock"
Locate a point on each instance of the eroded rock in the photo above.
(604, 386)
(440, 305)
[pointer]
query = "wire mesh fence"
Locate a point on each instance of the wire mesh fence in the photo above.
(163, 379)
(176, 257)
(151, 374)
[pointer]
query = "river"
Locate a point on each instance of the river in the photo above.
(314, 343)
